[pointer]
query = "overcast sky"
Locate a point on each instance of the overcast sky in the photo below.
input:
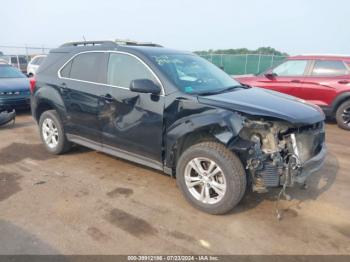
(293, 26)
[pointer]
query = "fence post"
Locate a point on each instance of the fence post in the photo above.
(259, 63)
(246, 62)
(26, 48)
(221, 61)
(272, 59)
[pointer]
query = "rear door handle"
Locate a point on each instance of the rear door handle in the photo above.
(343, 82)
(63, 87)
(108, 98)
(295, 81)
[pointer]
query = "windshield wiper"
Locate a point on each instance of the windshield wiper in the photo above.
(220, 91)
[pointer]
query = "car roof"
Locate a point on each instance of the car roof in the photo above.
(321, 57)
(111, 46)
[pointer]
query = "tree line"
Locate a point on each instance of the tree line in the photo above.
(261, 50)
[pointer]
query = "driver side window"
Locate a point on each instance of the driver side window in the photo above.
(291, 68)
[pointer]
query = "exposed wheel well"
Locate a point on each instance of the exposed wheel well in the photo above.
(42, 107)
(190, 140)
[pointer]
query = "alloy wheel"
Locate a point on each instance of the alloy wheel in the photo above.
(205, 180)
(50, 133)
(346, 116)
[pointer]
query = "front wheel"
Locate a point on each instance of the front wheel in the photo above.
(343, 115)
(211, 177)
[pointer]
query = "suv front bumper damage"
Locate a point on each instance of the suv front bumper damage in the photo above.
(312, 165)
(282, 154)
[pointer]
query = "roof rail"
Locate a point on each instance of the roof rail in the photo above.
(88, 43)
(135, 43)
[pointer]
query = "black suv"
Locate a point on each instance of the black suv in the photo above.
(176, 112)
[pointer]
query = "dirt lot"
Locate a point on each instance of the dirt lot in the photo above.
(87, 202)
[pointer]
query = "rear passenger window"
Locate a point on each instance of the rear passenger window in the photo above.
(122, 69)
(329, 68)
(87, 67)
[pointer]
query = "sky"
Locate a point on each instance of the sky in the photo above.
(292, 26)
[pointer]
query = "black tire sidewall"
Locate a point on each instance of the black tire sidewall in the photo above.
(339, 117)
(51, 114)
(234, 183)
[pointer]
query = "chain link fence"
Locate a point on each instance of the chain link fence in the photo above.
(244, 63)
(28, 51)
(239, 64)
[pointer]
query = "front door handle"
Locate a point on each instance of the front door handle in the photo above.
(343, 82)
(295, 81)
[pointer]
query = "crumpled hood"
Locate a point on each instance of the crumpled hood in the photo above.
(14, 84)
(262, 102)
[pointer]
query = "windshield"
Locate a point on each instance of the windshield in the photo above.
(193, 74)
(7, 71)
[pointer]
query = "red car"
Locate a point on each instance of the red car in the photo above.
(323, 80)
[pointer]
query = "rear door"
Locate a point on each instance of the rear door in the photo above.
(82, 83)
(288, 79)
(132, 121)
(325, 77)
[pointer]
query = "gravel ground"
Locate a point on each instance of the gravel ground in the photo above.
(87, 202)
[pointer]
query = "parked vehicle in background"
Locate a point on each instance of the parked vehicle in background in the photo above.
(34, 64)
(18, 61)
(14, 89)
(323, 80)
(176, 112)
(3, 62)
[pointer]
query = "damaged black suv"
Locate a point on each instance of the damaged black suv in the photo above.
(176, 112)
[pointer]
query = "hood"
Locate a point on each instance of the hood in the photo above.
(266, 103)
(14, 84)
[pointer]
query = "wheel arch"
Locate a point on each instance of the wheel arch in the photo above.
(47, 98)
(220, 127)
(339, 100)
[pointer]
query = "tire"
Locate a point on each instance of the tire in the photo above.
(342, 115)
(231, 173)
(58, 144)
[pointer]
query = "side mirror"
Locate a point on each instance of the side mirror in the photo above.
(270, 75)
(144, 86)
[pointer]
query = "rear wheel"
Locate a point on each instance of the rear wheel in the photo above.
(52, 133)
(211, 177)
(343, 115)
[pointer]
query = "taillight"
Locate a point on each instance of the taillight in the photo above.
(32, 85)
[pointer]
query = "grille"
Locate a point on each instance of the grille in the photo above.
(10, 93)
